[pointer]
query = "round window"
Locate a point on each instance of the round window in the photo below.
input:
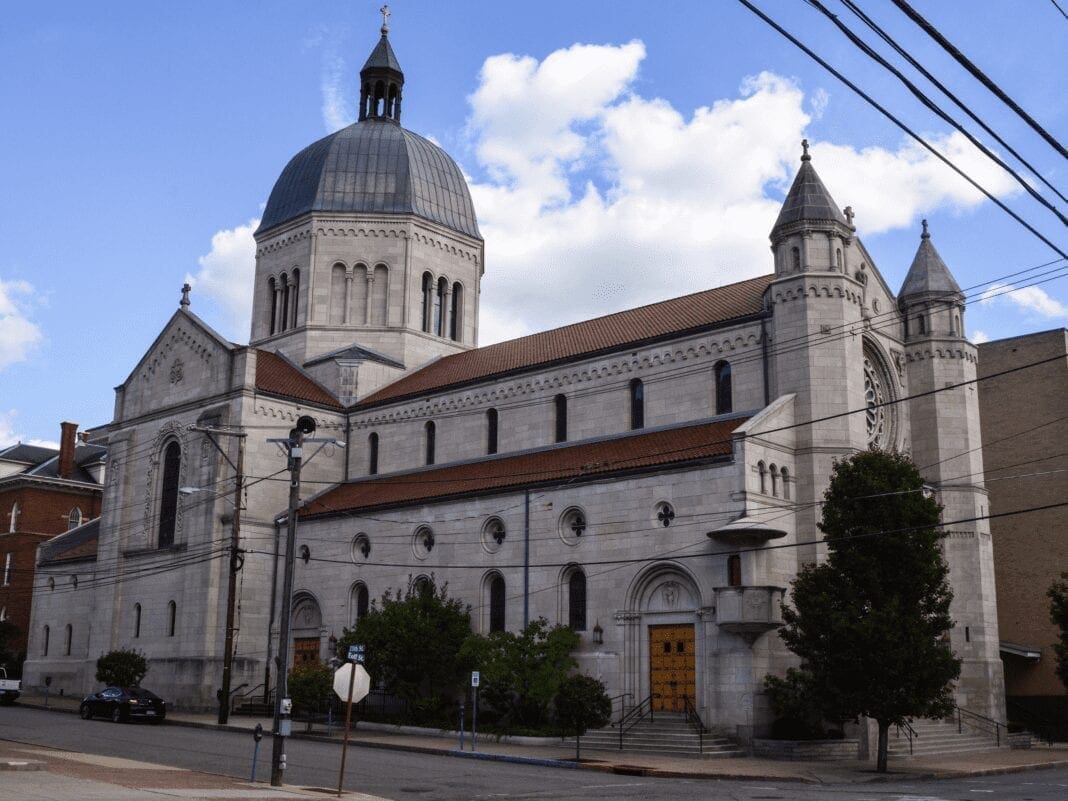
(493, 534)
(572, 525)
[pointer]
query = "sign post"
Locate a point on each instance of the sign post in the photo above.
(475, 678)
(351, 683)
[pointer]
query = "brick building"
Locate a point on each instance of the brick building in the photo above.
(1026, 466)
(43, 492)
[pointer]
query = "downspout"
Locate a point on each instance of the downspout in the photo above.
(270, 619)
(764, 355)
(526, 557)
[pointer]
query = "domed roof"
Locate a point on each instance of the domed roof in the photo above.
(375, 167)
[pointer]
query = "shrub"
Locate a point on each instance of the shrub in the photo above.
(121, 668)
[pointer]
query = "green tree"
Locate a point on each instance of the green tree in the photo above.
(413, 640)
(521, 673)
(310, 686)
(1058, 613)
(121, 668)
(869, 623)
(799, 713)
(582, 704)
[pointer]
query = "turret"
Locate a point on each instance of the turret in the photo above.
(930, 300)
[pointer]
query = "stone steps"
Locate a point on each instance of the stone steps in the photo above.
(667, 734)
(936, 737)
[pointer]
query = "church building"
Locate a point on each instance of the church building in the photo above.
(651, 478)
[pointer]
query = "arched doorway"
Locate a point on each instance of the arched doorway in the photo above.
(306, 627)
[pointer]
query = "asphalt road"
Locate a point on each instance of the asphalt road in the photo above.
(402, 776)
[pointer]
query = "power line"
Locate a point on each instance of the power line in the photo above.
(977, 73)
(881, 109)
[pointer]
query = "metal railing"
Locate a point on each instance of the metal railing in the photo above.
(622, 705)
(1040, 727)
(910, 732)
(693, 717)
(635, 716)
(980, 722)
(248, 697)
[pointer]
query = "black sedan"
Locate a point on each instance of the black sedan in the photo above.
(124, 703)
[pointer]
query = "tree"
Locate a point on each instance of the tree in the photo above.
(1058, 614)
(521, 673)
(870, 623)
(413, 642)
(121, 668)
(310, 685)
(581, 704)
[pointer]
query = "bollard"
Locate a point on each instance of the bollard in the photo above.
(461, 726)
(257, 735)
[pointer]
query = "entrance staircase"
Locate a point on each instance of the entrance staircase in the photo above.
(667, 733)
(937, 737)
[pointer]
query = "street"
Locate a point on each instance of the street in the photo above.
(403, 775)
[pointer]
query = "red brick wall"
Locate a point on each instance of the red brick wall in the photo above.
(15, 596)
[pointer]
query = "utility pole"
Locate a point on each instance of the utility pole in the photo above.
(236, 561)
(282, 704)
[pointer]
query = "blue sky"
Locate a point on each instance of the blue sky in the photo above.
(619, 153)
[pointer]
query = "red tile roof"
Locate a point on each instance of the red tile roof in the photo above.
(652, 449)
(277, 376)
(655, 321)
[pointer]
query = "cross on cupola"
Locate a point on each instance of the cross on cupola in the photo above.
(381, 79)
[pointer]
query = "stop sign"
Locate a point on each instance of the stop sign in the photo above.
(361, 682)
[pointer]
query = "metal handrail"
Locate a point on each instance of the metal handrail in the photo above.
(909, 731)
(235, 698)
(693, 717)
(997, 723)
(619, 698)
(629, 720)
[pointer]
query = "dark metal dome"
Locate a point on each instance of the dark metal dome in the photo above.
(374, 167)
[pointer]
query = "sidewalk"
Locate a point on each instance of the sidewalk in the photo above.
(559, 753)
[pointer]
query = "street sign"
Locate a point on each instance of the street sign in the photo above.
(361, 682)
(357, 653)
(475, 677)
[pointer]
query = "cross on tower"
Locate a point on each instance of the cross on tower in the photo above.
(384, 11)
(804, 151)
(186, 289)
(849, 214)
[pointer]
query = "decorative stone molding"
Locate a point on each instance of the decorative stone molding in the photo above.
(623, 617)
(172, 430)
(942, 353)
(180, 336)
(815, 290)
(283, 241)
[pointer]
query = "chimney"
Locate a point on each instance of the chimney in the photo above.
(66, 449)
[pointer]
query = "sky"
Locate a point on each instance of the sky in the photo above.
(618, 153)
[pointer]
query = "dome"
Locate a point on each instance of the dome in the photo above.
(373, 166)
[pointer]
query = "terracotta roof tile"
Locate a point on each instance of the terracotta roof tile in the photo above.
(643, 450)
(278, 377)
(617, 330)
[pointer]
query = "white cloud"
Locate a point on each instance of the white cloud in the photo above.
(9, 434)
(19, 335)
(334, 86)
(979, 337)
(226, 276)
(1031, 299)
(596, 198)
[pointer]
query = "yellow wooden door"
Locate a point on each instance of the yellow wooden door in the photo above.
(672, 668)
(305, 651)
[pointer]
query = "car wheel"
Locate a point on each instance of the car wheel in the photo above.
(86, 712)
(116, 715)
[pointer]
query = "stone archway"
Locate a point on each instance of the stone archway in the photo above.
(306, 630)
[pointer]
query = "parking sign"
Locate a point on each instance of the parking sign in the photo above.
(474, 678)
(357, 653)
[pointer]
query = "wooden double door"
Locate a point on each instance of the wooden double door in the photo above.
(672, 666)
(305, 651)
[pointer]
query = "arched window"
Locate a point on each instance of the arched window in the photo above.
(431, 436)
(3, 613)
(795, 259)
(734, 570)
(774, 480)
(7, 569)
(272, 293)
(372, 453)
(296, 297)
(785, 483)
(68, 637)
(637, 404)
(168, 502)
(74, 519)
(921, 324)
(283, 311)
(496, 603)
(763, 470)
(440, 302)
(560, 404)
(13, 525)
(47, 637)
(172, 618)
(359, 601)
(428, 297)
(838, 258)
(137, 620)
(724, 390)
(456, 319)
(491, 431)
(576, 600)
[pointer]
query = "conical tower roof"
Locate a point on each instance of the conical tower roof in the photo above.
(928, 276)
(382, 57)
(808, 200)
